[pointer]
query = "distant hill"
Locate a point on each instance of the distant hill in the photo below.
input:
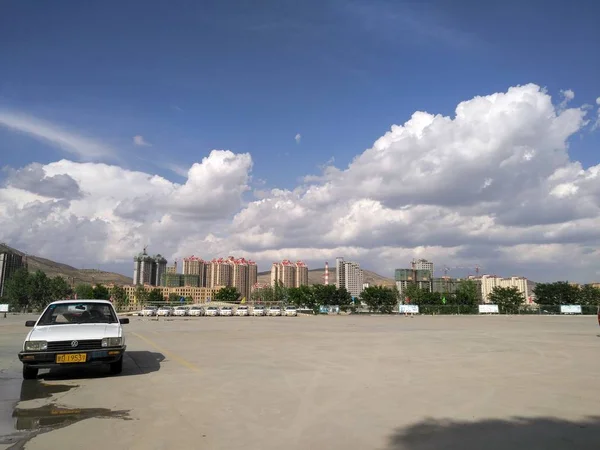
(315, 276)
(53, 268)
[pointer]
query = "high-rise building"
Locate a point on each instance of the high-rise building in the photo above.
(489, 282)
(301, 274)
(252, 274)
(283, 273)
(420, 275)
(9, 263)
(239, 277)
(173, 268)
(195, 266)
(422, 264)
(148, 269)
(218, 272)
(348, 275)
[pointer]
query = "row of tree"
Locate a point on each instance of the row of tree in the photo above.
(564, 293)
(26, 291)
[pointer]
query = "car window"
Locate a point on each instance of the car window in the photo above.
(76, 313)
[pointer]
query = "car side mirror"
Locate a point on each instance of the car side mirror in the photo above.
(30, 323)
(124, 321)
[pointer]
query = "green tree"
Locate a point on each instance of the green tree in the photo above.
(189, 300)
(557, 293)
(413, 294)
(39, 290)
(101, 292)
(227, 294)
(59, 288)
(119, 297)
(279, 292)
(301, 297)
(174, 298)
(434, 298)
(343, 299)
(263, 295)
(84, 291)
(141, 295)
(380, 299)
(508, 299)
(589, 295)
(155, 296)
(466, 293)
(16, 290)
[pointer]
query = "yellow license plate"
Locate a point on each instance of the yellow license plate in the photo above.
(71, 358)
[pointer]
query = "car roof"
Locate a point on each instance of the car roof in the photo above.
(81, 300)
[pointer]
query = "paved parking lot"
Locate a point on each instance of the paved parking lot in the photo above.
(328, 382)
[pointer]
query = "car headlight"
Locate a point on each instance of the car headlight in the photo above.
(35, 346)
(112, 342)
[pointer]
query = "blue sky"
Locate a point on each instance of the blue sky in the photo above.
(192, 76)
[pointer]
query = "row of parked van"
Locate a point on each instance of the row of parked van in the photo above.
(198, 311)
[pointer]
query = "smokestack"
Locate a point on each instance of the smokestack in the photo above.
(326, 273)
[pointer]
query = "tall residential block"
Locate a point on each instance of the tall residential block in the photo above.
(301, 274)
(289, 274)
(349, 275)
(218, 272)
(9, 263)
(193, 265)
(489, 282)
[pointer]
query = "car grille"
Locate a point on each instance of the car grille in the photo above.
(90, 344)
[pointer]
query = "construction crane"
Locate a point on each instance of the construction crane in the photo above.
(476, 267)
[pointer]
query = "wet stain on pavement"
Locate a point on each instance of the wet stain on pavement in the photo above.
(29, 422)
(32, 390)
(53, 416)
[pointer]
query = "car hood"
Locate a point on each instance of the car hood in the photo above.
(76, 331)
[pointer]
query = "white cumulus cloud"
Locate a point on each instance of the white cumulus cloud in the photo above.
(492, 185)
(298, 138)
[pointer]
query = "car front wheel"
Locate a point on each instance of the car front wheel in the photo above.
(117, 367)
(29, 373)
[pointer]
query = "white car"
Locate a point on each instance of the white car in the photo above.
(258, 311)
(226, 311)
(164, 311)
(180, 311)
(195, 311)
(274, 311)
(211, 311)
(241, 311)
(290, 311)
(149, 311)
(73, 333)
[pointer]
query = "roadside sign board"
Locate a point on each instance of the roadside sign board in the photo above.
(570, 309)
(488, 309)
(409, 309)
(4, 307)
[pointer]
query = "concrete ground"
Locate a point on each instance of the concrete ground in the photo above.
(327, 382)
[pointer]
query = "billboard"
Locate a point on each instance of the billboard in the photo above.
(409, 309)
(4, 307)
(570, 309)
(488, 309)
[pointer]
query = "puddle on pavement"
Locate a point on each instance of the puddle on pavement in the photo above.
(29, 422)
(32, 390)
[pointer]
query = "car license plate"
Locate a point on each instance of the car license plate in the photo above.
(71, 358)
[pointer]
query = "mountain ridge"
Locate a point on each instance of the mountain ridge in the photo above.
(73, 275)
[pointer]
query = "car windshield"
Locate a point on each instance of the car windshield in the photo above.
(211, 308)
(78, 313)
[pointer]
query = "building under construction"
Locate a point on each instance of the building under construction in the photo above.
(148, 269)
